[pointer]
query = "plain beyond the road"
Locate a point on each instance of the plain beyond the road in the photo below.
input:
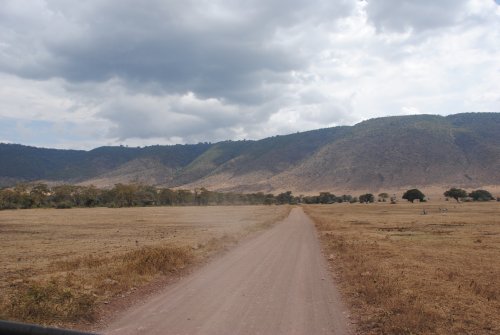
(275, 283)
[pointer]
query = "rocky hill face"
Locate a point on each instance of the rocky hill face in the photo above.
(391, 152)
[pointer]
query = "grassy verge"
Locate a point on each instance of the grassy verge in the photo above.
(407, 273)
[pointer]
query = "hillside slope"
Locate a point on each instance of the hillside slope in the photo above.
(390, 152)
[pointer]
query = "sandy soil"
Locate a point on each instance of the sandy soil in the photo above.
(276, 283)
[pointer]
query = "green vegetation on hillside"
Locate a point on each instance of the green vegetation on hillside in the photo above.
(462, 149)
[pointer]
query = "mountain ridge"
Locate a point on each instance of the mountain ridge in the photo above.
(386, 152)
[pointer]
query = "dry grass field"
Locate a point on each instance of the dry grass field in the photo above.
(405, 272)
(59, 267)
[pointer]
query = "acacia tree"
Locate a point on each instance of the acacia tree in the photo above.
(455, 193)
(366, 198)
(413, 194)
(285, 198)
(123, 195)
(39, 194)
(384, 196)
(326, 198)
(481, 195)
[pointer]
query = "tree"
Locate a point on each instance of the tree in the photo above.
(39, 194)
(146, 195)
(455, 193)
(285, 198)
(481, 195)
(384, 196)
(63, 196)
(202, 196)
(22, 196)
(8, 199)
(123, 195)
(269, 199)
(326, 198)
(366, 198)
(413, 194)
(346, 198)
(167, 197)
(185, 197)
(88, 196)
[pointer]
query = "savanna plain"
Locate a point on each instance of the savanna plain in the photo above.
(71, 267)
(423, 268)
(427, 268)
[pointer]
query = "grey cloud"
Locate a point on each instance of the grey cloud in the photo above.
(185, 116)
(421, 15)
(225, 69)
(215, 49)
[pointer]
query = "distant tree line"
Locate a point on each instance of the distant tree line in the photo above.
(40, 195)
(121, 195)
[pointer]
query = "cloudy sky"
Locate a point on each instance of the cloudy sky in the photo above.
(81, 74)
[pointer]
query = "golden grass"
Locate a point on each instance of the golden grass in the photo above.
(404, 272)
(58, 267)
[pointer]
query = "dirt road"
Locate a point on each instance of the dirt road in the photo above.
(275, 283)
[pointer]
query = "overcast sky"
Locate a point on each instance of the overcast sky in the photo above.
(81, 74)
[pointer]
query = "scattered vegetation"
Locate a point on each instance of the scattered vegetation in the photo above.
(366, 198)
(75, 262)
(413, 194)
(455, 193)
(407, 273)
(481, 195)
(382, 197)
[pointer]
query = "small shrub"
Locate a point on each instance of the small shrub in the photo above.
(40, 302)
(152, 260)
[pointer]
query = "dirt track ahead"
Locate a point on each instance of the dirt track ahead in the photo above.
(276, 283)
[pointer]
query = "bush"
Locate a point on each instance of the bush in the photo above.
(366, 198)
(152, 260)
(481, 195)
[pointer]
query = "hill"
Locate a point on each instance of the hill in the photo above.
(389, 152)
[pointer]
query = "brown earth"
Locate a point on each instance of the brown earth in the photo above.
(276, 283)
